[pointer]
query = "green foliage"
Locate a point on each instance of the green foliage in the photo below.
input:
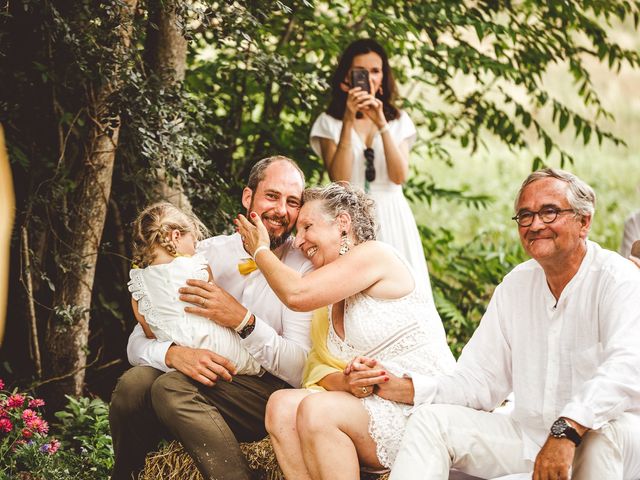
(257, 76)
(464, 277)
(84, 451)
(85, 436)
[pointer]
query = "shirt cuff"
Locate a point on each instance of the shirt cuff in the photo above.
(581, 414)
(262, 335)
(156, 354)
(424, 389)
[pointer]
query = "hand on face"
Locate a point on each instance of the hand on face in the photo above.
(254, 234)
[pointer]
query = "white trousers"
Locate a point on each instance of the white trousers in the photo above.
(489, 445)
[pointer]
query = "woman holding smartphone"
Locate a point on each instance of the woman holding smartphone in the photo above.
(365, 139)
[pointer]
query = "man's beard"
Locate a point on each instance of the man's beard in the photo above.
(275, 241)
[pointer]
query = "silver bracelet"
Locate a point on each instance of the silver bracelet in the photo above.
(244, 321)
(385, 128)
(260, 248)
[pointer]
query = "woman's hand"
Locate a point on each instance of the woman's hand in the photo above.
(396, 389)
(357, 100)
(362, 375)
(254, 234)
(375, 111)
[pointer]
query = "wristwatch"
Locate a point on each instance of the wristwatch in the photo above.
(562, 429)
(248, 328)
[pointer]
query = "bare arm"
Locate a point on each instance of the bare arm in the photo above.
(140, 318)
(396, 155)
(346, 276)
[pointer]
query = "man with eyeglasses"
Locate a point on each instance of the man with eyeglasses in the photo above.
(562, 331)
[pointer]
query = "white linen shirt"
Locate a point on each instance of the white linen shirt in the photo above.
(281, 339)
(578, 357)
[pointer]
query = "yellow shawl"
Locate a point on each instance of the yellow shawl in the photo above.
(320, 362)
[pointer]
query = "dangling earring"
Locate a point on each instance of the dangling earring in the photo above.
(344, 243)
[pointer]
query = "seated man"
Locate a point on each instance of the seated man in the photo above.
(207, 415)
(563, 332)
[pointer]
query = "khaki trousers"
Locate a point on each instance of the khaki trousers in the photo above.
(148, 405)
(489, 445)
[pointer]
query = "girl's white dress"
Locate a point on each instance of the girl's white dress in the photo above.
(405, 335)
(156, 290)
(395, 219)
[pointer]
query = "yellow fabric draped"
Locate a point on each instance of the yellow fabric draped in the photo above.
(246, 267)
(320, 362)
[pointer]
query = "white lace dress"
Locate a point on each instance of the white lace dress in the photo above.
(405, 335)
(155, 288)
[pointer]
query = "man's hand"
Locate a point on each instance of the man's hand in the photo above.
(213, 303)
(554, 459)
(202, 365)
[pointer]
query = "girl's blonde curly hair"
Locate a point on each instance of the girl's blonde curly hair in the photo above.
(153, 227)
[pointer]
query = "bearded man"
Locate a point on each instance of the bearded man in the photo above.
(188, 394)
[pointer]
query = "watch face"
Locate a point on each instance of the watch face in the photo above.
(559, 427)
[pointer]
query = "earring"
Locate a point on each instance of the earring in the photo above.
(344, 243)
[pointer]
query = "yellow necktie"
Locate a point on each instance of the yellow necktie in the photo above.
(247, 267)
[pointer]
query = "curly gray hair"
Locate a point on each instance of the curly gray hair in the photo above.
(341, 197)
(580, 195)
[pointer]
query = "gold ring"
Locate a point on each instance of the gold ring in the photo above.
(204, 302)
(365, 390)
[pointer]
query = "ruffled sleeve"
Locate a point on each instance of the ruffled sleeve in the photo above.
(138, 289)
(404, 129)
(325, 126)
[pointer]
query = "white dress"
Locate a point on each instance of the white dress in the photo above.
(397, 226)
(155, 288)
(406, 335)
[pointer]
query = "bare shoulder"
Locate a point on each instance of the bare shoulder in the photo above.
(376, 250)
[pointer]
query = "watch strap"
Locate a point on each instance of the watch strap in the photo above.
(247, 329)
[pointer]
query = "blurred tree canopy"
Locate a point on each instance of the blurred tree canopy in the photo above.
(108, 105)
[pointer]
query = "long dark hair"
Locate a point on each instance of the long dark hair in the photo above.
(389, 92)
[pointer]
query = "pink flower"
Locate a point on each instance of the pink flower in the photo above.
(15, 401)
(26, 433)
(5, 425)
(42, 426)
(1, 384)
(36, 402)
(28, 415)
(54, 446)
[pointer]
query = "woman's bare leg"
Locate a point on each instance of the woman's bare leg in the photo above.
(280, 421)
(334, 430)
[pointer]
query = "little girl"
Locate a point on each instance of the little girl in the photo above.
(164, 253)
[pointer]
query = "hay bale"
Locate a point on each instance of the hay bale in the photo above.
(173, 463)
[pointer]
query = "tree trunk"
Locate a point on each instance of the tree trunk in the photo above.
(68, 328)
(166, 57)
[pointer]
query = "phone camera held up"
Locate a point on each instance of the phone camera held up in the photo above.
(360, 78)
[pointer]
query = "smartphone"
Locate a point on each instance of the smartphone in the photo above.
(360, 78)
(635, 249)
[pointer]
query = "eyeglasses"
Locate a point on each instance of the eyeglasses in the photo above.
(546, 214)
(370, 170)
